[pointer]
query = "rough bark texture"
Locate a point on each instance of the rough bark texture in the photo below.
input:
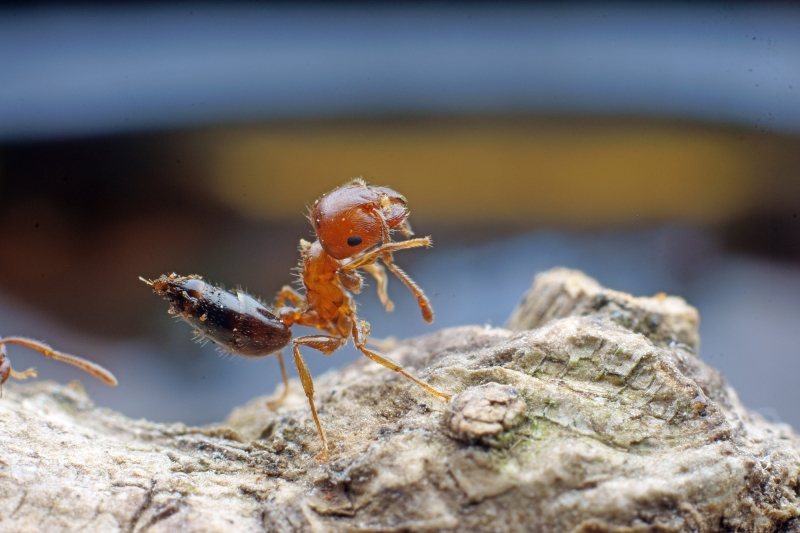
(602, 418)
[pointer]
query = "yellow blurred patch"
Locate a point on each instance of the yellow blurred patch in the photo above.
(512, 170)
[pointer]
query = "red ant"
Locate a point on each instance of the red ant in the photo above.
(353, 224)
(6, 371)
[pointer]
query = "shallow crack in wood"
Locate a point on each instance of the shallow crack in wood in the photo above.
(591, 412)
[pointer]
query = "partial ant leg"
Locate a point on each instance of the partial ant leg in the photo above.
(350, 279)
(6, 371)
(288, 293)
(293, 315)
(377, 272)
(386, 344)
(385, 251)
(391, 365)
(385, 232)
(422, 300)
(389, 247)
(405, 228)
(30, 373)
(360, 333)
(326, 345)
(275, 403)
(87, 366)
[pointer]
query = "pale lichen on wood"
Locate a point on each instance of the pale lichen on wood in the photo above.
(592, 412)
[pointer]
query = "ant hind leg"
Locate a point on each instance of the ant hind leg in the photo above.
(326, 345)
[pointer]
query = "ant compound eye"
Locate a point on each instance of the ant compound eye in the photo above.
(355, 240)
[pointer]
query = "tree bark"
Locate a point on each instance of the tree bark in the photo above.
(590, 412)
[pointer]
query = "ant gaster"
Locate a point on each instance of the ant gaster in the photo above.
(353, 225)
(6, 371)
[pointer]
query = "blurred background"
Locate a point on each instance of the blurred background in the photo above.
(655, 147)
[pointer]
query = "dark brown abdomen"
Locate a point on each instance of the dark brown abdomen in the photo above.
(236, 322)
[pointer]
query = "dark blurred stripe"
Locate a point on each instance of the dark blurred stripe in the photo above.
(93, 69)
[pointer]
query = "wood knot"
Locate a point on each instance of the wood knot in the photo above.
(483, 412)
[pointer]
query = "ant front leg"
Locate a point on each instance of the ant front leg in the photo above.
(360, 334)
(389, 247)
(326, 345)
(384, 252)
(422, 300)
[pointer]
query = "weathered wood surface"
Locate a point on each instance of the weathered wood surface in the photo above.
(600, 419)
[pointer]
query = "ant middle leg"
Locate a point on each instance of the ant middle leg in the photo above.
(360, 334)
(273, 404)
(327, 345)
(378, 272)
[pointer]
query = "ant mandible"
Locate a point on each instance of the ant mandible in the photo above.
(6, 371)
(353, 225)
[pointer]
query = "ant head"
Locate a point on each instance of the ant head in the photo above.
(354, 217)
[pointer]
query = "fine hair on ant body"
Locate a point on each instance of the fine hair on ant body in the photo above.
(353, 224)
(87, 366)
